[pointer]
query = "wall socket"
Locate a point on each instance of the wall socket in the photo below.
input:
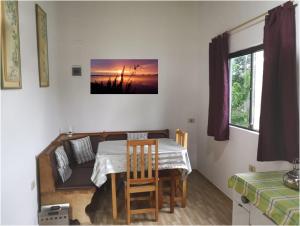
(252, 168)
(32, 185)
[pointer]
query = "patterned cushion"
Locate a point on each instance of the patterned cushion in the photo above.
(63, 167)
(137, 136)
(82, 149)
(61, 157)
(65, 173)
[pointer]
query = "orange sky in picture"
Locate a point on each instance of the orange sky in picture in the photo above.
(113, 67)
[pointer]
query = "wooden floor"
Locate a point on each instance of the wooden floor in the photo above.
(205, 205)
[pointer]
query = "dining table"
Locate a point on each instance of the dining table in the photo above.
(111, 160)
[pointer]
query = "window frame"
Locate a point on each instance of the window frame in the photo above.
(240, 53)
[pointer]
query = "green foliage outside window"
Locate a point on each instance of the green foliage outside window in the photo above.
(241, 83)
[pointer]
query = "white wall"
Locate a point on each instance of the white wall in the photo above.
(30, 119)
(174, 32)
(219, 160)
(129, 30)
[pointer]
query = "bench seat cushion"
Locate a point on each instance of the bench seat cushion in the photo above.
(80, 179)
(89, 164)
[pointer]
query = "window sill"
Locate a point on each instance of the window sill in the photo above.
(244, 129)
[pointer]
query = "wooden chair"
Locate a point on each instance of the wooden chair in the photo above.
(181, 138)
(177, 187)
(137, 181)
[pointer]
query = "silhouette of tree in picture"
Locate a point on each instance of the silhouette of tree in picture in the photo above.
(118, 85)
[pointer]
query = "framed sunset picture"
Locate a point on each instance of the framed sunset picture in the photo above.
(124, 76)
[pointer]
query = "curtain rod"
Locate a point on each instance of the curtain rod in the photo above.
(251, 20)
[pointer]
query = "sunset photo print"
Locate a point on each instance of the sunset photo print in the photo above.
(124, 76)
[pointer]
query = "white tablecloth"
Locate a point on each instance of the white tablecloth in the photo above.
(111, 158)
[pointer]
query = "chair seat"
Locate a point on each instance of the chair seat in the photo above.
(144, 188)
(138, 182)
(142, 181)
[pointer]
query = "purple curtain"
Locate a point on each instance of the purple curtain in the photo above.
(218, 115)
(279, 118)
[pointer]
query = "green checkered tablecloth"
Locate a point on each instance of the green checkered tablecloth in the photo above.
(267, 192)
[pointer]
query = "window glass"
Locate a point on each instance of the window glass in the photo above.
(258, 61)
(240, 90)
(246, 77)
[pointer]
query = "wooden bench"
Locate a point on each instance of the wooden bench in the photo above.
(79, 189)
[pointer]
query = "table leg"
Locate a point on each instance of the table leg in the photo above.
(172, 196)
(114, 196)
(184, 193)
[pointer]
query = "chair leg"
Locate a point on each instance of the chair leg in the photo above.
(172, 194)
(125, 197)
(156, 203)
(128, 207)
(151, 199)
(160, 192)
(184, 191)
(177, 187)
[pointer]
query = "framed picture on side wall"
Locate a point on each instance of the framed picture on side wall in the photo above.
(42, 42)
(10, 46)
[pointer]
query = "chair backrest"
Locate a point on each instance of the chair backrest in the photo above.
(136, 151)
(181, 138)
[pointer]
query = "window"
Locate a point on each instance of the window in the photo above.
(246, 72)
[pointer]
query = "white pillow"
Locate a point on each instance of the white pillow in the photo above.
(137, 136)
(65, 173)
(82, 149)
(63, 167)
(61, 157)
